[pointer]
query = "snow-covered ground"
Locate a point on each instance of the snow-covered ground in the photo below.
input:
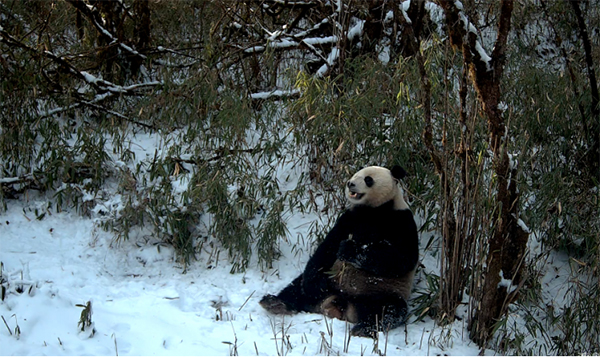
(144, 305)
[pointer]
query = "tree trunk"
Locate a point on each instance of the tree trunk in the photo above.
(141, 32)
(507, 243)
(592, 157)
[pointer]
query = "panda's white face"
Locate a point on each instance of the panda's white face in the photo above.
(374, 186)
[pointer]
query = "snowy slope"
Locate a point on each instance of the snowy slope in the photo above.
(143, 304)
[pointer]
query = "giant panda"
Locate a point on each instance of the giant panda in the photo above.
(363, 271)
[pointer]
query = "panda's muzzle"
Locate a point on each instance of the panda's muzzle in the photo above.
(352, 193)
(355, 195)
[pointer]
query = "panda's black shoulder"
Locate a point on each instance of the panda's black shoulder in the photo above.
(405, 218)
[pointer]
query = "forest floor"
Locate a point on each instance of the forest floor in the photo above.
(143, 303)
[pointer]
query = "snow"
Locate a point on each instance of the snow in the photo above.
(523, 226)
(144, 305)
(254, 49)
(333, 56)
(389, 16)
(356, 30)
(114, 40)
(283, 43)
(289, 2)
(275, 93)
(305, 33)
(483, 55)
(405, 5)
(404, 8)
(90, 78)
(507, 283)
(320, 40)
(383, 54)
(10, 179)
(437, 15)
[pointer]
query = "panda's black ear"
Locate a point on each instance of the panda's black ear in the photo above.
(398, 172)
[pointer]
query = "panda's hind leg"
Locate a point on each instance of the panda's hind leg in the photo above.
(287, 302)
(378, 314)
(275, 305)
(292, 299)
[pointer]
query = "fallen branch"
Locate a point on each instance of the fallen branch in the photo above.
(28, 181)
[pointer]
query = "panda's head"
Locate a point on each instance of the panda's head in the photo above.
(374, 186)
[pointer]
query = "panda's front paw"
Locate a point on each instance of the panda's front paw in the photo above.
(363, 329)
(348, 249)
(275, 305)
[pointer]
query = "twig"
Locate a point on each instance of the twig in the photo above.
(240, 309)
(116, 348)
(9, 331)
(347, 337)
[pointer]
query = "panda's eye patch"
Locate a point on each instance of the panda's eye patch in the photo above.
(369, 181)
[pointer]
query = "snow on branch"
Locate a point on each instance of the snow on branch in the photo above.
(470, 28)
(95, 104)
(356, 30)
(95, 20)
(404, 8)
(507, 283)
(13, 180)
(12, 41)
(98, 98)
(320, 40)
(316, 28)
(323, 45)
(282, 44)
(292, 3)
(353, 32)
(112, 90)
(115, 88)
(463, 32)
(14, 185)
(276, 94)
(97, 83)
(333, 56)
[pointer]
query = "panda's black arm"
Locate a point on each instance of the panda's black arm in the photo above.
(392, 252)
(380, 259)
(316, 274)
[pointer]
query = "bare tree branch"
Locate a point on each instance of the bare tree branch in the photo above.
(96, 20)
